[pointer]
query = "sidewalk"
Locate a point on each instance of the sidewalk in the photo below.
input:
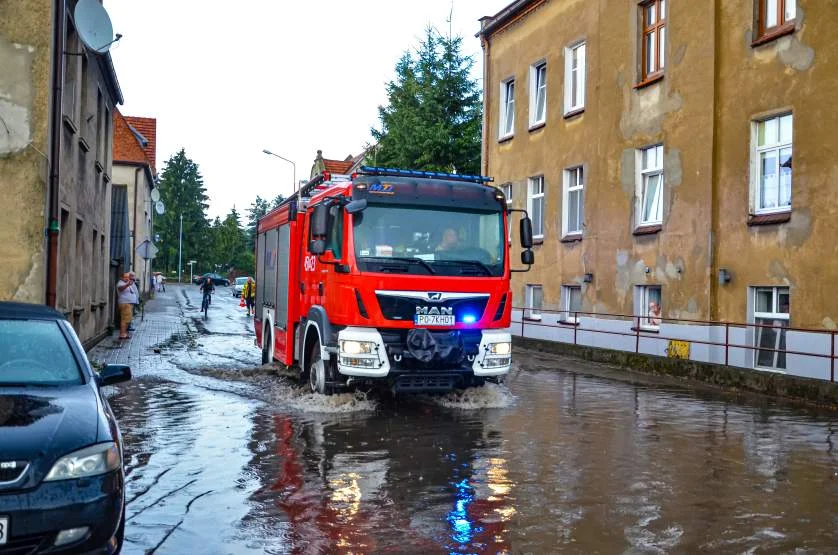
(163, 319)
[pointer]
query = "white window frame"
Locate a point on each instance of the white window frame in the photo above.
(775, 315)
(538, 88)
(756, 169)
(578, 78)
(573, 185)
(642, 299)
(532, 198)
(568, 315)
(532, 312)
(507, 193)
(643, 176)
(506, 127)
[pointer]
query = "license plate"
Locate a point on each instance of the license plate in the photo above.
(4, 529)
(434, 320)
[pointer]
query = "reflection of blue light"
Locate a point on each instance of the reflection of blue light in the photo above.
(469, 318)
(462, 529)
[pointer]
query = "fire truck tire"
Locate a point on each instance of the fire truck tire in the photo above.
(317, 374)
(266, 346)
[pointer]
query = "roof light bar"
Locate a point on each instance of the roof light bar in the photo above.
(395, 172)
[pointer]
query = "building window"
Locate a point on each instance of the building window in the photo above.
(573, 202)
(534, 298)
(571, 303)
(653, 47)
(772, 163)
(507, 194)
(771, 309)
(574, 78)
(535, 205)
(650, 186)
(776, 14)
(647, 303)
(538, 93)
(507, 108)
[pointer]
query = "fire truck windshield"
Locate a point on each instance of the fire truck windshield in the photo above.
(427, 240)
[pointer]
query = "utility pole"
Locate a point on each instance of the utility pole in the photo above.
(180, 249)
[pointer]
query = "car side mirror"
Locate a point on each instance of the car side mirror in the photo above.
(320, 221)
(113, 374)
(528, 257)
(356, 206)
(317, 246)
(526, 232)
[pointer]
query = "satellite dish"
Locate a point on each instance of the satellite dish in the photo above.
(155, 195)
(93, 25)
(159, 207)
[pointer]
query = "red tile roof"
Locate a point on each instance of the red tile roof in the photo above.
(337, 166)
(126, 145)
(147, 127)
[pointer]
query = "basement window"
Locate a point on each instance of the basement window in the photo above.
(571, 303)
(771, 309)
(534, 297)
(647, 306)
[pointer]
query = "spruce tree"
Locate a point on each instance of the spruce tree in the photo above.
(183, 193)
(433, 118)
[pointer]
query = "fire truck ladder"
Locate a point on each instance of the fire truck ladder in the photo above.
(395, 172)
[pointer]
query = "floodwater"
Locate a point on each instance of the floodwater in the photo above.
(552, 461)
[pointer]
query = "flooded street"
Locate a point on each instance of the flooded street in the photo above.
(223, 457)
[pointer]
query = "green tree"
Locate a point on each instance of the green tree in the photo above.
(257, 209)
(183, 193)
(230, 250)
(433, 119)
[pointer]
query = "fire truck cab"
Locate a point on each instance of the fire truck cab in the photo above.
(398, 277)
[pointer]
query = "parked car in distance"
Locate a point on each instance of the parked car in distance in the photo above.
(217, 279)
(238, 286)
(62, 485)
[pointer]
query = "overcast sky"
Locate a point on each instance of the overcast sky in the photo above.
(228, 79)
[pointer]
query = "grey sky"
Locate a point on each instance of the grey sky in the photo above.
(227, 79)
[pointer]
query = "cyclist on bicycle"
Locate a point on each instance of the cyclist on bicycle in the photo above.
(208, 288)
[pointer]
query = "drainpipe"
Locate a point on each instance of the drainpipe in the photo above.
(484, 162)
(53, 207)
(134, 229)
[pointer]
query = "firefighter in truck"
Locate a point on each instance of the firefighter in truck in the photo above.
(387, 276)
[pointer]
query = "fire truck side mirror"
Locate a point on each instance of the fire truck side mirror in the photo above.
(356, 206)
(527, 257)
(526, 233)
(320, 221)
(317, 246)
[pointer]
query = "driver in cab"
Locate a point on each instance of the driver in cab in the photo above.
(450, 240)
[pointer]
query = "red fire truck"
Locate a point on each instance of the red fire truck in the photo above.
(388, 276)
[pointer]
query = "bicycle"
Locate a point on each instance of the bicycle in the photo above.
(205, 304)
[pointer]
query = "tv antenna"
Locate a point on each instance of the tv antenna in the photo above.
(93, 25)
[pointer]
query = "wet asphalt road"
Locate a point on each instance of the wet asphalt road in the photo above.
(224, 457)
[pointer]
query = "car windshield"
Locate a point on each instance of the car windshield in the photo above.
(427, 240)
(36, 352)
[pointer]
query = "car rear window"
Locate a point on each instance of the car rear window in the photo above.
(36, 352)
(241, 281)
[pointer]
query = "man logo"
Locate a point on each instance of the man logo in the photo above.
(435, 296)
(434, 311)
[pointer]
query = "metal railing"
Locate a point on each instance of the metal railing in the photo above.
(641, 329)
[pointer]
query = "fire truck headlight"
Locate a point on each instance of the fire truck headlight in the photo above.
(357, 347)
(500, 348)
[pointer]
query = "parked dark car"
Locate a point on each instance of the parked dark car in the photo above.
(62, 485)
(216, 279)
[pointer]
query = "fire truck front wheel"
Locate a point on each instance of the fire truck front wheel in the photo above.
(317, 374)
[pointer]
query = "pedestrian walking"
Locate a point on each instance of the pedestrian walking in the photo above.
(135, 299)
(161, 284)
(125, 301)
(249, 296)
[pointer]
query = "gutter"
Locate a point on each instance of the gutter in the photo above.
(53, 208)
(496, 21)
(134, 229)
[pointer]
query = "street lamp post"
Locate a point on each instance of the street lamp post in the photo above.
(294, 166)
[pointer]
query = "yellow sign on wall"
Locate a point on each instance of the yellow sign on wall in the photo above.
(678, 349)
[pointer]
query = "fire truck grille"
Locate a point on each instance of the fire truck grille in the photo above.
(421, 349)
(404, 308)
(425, 383)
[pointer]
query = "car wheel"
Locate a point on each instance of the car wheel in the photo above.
(266, 351)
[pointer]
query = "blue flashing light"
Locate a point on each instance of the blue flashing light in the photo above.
(396, 172)
(469, 319)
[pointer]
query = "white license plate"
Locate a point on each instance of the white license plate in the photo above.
(434, 319)
(4, 529)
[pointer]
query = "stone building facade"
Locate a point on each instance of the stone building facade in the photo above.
(652, 142)
(90, 91)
